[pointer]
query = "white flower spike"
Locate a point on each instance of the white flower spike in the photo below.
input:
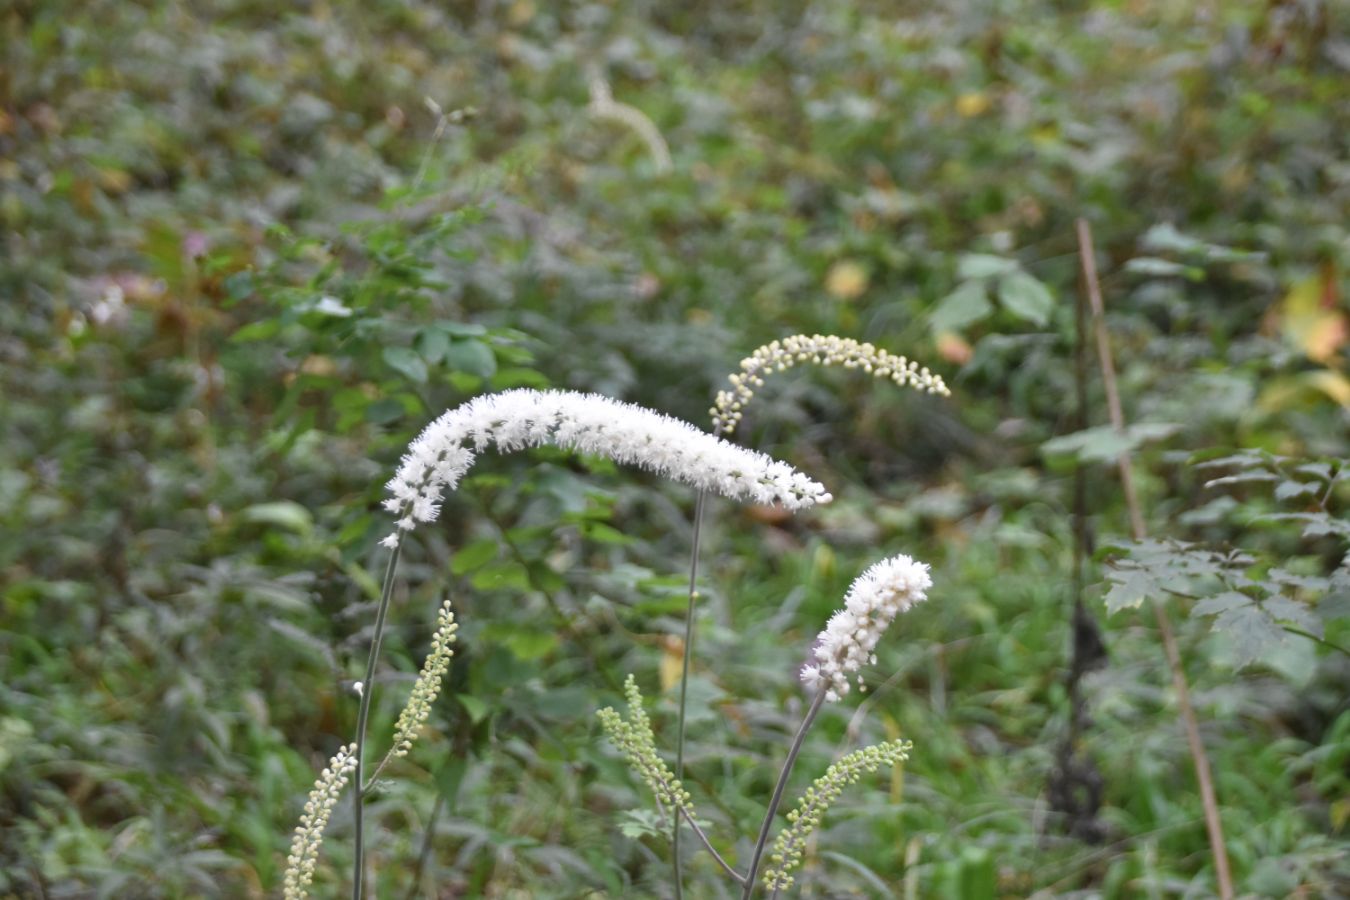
(849, 640)
(587, 423)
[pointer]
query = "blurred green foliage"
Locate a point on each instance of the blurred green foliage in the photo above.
(244, 261)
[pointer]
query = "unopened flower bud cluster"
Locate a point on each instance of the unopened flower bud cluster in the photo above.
(587, 423)
(820, 350)
(428, 684)
(850, 638)
(309, 833)
(806, 818)
(634, 739)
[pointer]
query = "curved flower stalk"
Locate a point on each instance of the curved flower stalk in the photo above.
(850, 638)
(587, 423)
(791, 841)
(848, 641)
(328, 787)
(309, 833)
(633, 736)
(821, 350)
(439, 457)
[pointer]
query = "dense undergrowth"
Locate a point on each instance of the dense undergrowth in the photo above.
(245, 260)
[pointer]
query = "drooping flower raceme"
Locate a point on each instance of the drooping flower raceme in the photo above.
(791, 841)
(428, 684)
(587, 423)
(821, 350)
(850, 638)
(309, 834)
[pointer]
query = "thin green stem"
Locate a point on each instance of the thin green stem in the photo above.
(362, 718)
(778, 789)
(1312, 637)
(707, 845)
(684, 678)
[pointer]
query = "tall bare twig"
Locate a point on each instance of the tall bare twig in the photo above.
(1192, 727)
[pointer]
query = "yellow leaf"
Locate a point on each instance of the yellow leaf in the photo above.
(972, 104)
(1340, 814)
(846, 280)
(520, 13)
(1333, 384)
(672, 662)
(1310, 319)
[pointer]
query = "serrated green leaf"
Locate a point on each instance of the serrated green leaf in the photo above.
(1166, 237)
(406, 362)
(1286, 609)
(1287, 490)
(256, 331)
(517, 376)
(474, 706)
(432, 344)
(604, 534)
(384, 411)
(1129, 589)
(282, 513)
(1302, 582)
(462, 329)
(1153, 266)
(529, 644)
(983, 265)
(1252, 631)
(474, 556)
(238, 285)
(1210, 606)
(1026, 297)
(501, 576)
(640, 823)
(1316, 524)
(964, 306)
(473, 357)
(1104, 443)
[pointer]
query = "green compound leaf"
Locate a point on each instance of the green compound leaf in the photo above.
(407, 363)
(1026, 297)
(964, 306)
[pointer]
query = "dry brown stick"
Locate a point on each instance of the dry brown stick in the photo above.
(1192, 726)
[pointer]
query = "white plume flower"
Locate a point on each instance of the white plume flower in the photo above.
(850, 638)
(587, 423)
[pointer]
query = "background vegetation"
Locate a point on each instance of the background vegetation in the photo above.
(245, 259)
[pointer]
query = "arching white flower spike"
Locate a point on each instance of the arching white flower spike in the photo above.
(587, 423)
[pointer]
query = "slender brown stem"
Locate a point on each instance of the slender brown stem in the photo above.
(1199, 758)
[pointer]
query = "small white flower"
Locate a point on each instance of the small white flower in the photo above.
(811, 678)
(587, 423)
(873, 600)
(331, 306)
